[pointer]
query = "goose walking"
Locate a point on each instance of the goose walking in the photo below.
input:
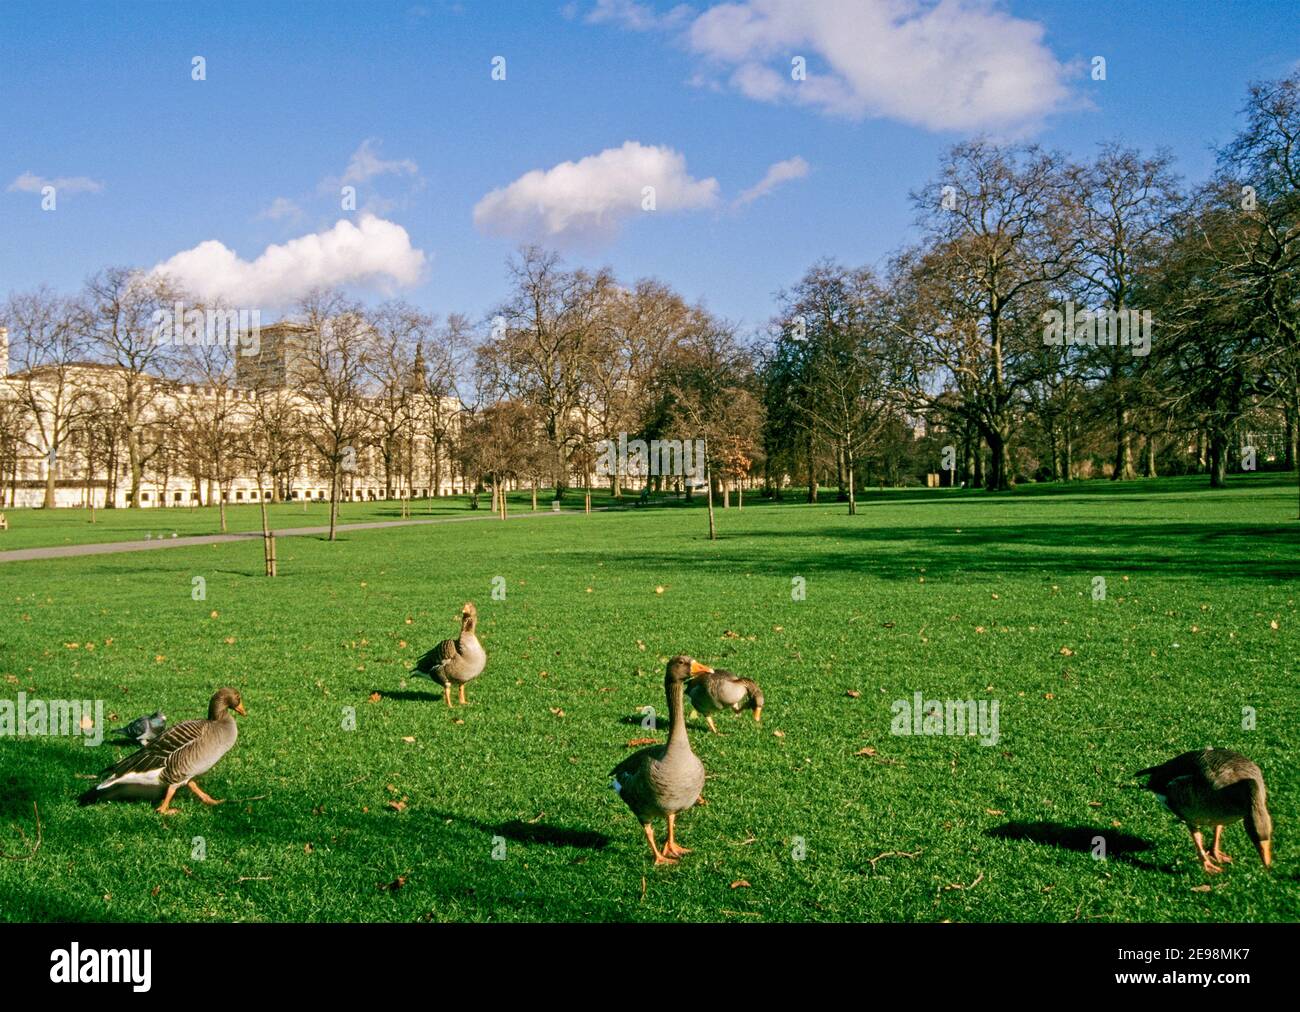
(175, 758)
(712, 691)
(456, 661)
(662, 780)
(1215, 787)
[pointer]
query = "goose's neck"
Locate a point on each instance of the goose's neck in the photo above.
(1259, 806)
(676, 715)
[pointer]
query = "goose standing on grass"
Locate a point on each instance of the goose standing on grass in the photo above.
(173, 760)
(1215, 787)
(711, 691)
(663, 780)
(459, 660)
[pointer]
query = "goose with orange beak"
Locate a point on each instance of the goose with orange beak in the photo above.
(663, 780)
(713, 691)
(458, 661)
(1215, 787)
(175, 759)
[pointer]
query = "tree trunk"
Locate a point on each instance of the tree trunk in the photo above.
(853, 498)
(708, 482)
(51, 462)
(999, 474)
(1218, 458)
(334, 499)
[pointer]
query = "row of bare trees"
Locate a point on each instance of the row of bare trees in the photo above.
(956, 329)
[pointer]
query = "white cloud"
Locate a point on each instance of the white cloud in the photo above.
(282, 208)
(636, 16)
(778, 173)
(589, 200)
(29, 182)
(372, 252)
(365, 165)
(950, 65)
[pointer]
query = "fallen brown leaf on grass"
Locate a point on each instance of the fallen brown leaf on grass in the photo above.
(1201, 889)
(865, 751)
(375, 697)
(1066, 652)
(557, 711)
(408, 739)
(994, 811)
(397, 806)
(394, 885)
(853, 694)
(642, 741)
(740, 883)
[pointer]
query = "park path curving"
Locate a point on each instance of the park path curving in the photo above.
(109, 547)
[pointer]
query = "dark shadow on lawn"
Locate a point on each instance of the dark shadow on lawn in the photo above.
(1119, 846)
(433, 694)
(1222, 551)
(535, 832)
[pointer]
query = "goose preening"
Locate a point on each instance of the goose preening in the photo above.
(711, 691)
(662, 780)
(1215, 787)
(144, 729)
(456, 661)
(178, 755)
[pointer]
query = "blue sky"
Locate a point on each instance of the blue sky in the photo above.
(150, 163)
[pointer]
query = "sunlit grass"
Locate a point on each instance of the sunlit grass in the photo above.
(959, 596)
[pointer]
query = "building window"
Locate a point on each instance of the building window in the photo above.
(239, 495)
(144, 496)
(176, 497)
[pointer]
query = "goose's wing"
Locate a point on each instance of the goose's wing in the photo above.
(432, 662)
(637, 762)
(168, 751)
(1194, 767)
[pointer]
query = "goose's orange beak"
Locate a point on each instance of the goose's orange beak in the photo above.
(700, 669)
(758, 715)
(1266, 852)
(239, 709)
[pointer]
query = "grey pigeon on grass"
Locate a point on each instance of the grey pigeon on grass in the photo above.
(144, 729)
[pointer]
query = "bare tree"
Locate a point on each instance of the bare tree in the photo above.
(51, 382)
(337, 355)
(119, 317)
(999, 236)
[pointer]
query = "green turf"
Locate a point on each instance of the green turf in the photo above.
(40, 528)
(1199, 621)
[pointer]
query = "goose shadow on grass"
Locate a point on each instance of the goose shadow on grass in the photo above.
(1081, 839)
(534, 832)
(433, 694)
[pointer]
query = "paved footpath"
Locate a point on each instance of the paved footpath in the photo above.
(108, 547)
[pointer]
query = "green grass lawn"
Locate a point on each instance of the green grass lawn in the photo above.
(959, 596)
(40, 528)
